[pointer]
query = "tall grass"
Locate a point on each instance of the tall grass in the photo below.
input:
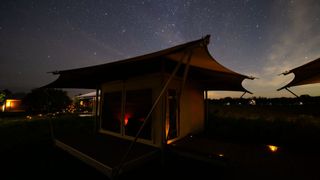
(285, 126)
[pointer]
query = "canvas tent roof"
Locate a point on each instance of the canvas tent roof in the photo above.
(203, 68)
(88, 95)
(306, 74)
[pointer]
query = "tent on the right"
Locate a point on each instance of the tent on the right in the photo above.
(308, 73)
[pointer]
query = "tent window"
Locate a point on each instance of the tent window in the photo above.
(111, 114)
(138, 105)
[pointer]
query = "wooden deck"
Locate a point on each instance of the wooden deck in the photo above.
(105, 152)
(227, 160)
(199, 149)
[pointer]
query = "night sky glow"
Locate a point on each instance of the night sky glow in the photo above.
(256, 38)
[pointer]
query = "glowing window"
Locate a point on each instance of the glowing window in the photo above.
(138, 105)
(111, 112)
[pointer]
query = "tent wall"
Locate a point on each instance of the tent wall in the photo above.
(191, 108)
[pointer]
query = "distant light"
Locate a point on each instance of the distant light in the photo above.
(29, 117)
(252, 102)
(8, 103)
(215, 155)
(273, 148)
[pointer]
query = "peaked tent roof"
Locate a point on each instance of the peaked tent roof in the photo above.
(203, 68)
(308, 73)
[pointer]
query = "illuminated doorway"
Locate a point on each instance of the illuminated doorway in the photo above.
(172, 121)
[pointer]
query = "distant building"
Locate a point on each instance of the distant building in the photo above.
(86, 103)
(12, 105)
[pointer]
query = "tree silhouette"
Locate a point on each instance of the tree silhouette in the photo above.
(46, 100)
(4, 94)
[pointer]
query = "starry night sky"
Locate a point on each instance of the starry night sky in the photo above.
(256, 38)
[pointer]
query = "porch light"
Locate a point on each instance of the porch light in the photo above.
(273, 148)
(8, 103)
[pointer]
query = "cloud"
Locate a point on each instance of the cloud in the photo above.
(295, 40)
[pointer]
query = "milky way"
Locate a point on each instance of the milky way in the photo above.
(258, 38)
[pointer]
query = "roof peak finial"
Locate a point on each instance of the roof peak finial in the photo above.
(206, 39)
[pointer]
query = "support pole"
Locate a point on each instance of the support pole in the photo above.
(96, 124)
(206, 110)
(292, 93)
(243, 94)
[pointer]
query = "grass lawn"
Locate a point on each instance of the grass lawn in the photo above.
(290, 126)
(26, 149)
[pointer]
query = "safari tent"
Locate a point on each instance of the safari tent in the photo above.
(12, 105)
(149, 101)
(308, 73)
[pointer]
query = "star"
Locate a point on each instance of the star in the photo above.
(245, 35)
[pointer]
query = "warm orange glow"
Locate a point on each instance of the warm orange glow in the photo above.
(11, 103)
(81, 103)
(8, 103)
(167, 129)
(273, 148)
(126, 118)
(170, 141)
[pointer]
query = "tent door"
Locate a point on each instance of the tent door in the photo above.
(172, 124)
